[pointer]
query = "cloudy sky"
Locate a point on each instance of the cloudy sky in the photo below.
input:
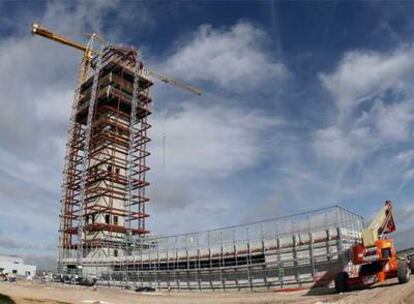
(305, 105)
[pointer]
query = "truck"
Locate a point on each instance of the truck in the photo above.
(374, 259)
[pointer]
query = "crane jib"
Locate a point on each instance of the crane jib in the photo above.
(39, 30)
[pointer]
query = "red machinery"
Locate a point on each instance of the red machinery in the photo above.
(375, 258)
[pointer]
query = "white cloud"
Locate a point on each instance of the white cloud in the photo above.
(210, 140)
(365, 147)
(394, 121)
(337, 144)
(379, 80)
(81, 17)
(361, 74)
(235, 58)
(371, 131)
(204, 148)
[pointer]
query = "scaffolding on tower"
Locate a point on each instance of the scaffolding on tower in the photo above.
(104, 185)
(105, 177)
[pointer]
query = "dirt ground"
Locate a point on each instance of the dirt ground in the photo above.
(24, 292)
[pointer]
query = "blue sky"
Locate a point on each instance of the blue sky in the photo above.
(305, 105)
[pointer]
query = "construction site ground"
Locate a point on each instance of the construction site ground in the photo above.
(24, 292)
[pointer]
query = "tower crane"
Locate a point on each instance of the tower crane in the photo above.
(89, 52)
(129, 194)
(375, 259)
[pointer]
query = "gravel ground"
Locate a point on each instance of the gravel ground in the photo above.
(24, 292)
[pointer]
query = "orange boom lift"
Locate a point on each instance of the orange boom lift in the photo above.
(375, 258)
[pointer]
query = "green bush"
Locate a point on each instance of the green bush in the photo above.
(6, 300)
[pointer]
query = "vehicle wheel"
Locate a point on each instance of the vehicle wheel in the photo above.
(341, 282)
(403, 271)
(412, 264)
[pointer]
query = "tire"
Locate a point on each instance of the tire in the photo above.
(412, 264)
(341, 282)
(403, 271)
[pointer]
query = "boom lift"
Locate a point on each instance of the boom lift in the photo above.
(375, 258)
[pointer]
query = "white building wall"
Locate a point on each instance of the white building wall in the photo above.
(15, 265)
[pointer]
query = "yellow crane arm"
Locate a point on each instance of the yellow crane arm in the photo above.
(39, 30)
(175, 82)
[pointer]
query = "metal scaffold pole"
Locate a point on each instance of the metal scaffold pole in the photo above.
(69, 150)
(85, 161)
(132, 136)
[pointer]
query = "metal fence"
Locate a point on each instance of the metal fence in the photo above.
(309, 247)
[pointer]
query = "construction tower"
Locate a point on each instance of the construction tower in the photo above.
(102, 217)
(103, 191)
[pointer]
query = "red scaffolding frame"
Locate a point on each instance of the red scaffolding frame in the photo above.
(104, 196)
